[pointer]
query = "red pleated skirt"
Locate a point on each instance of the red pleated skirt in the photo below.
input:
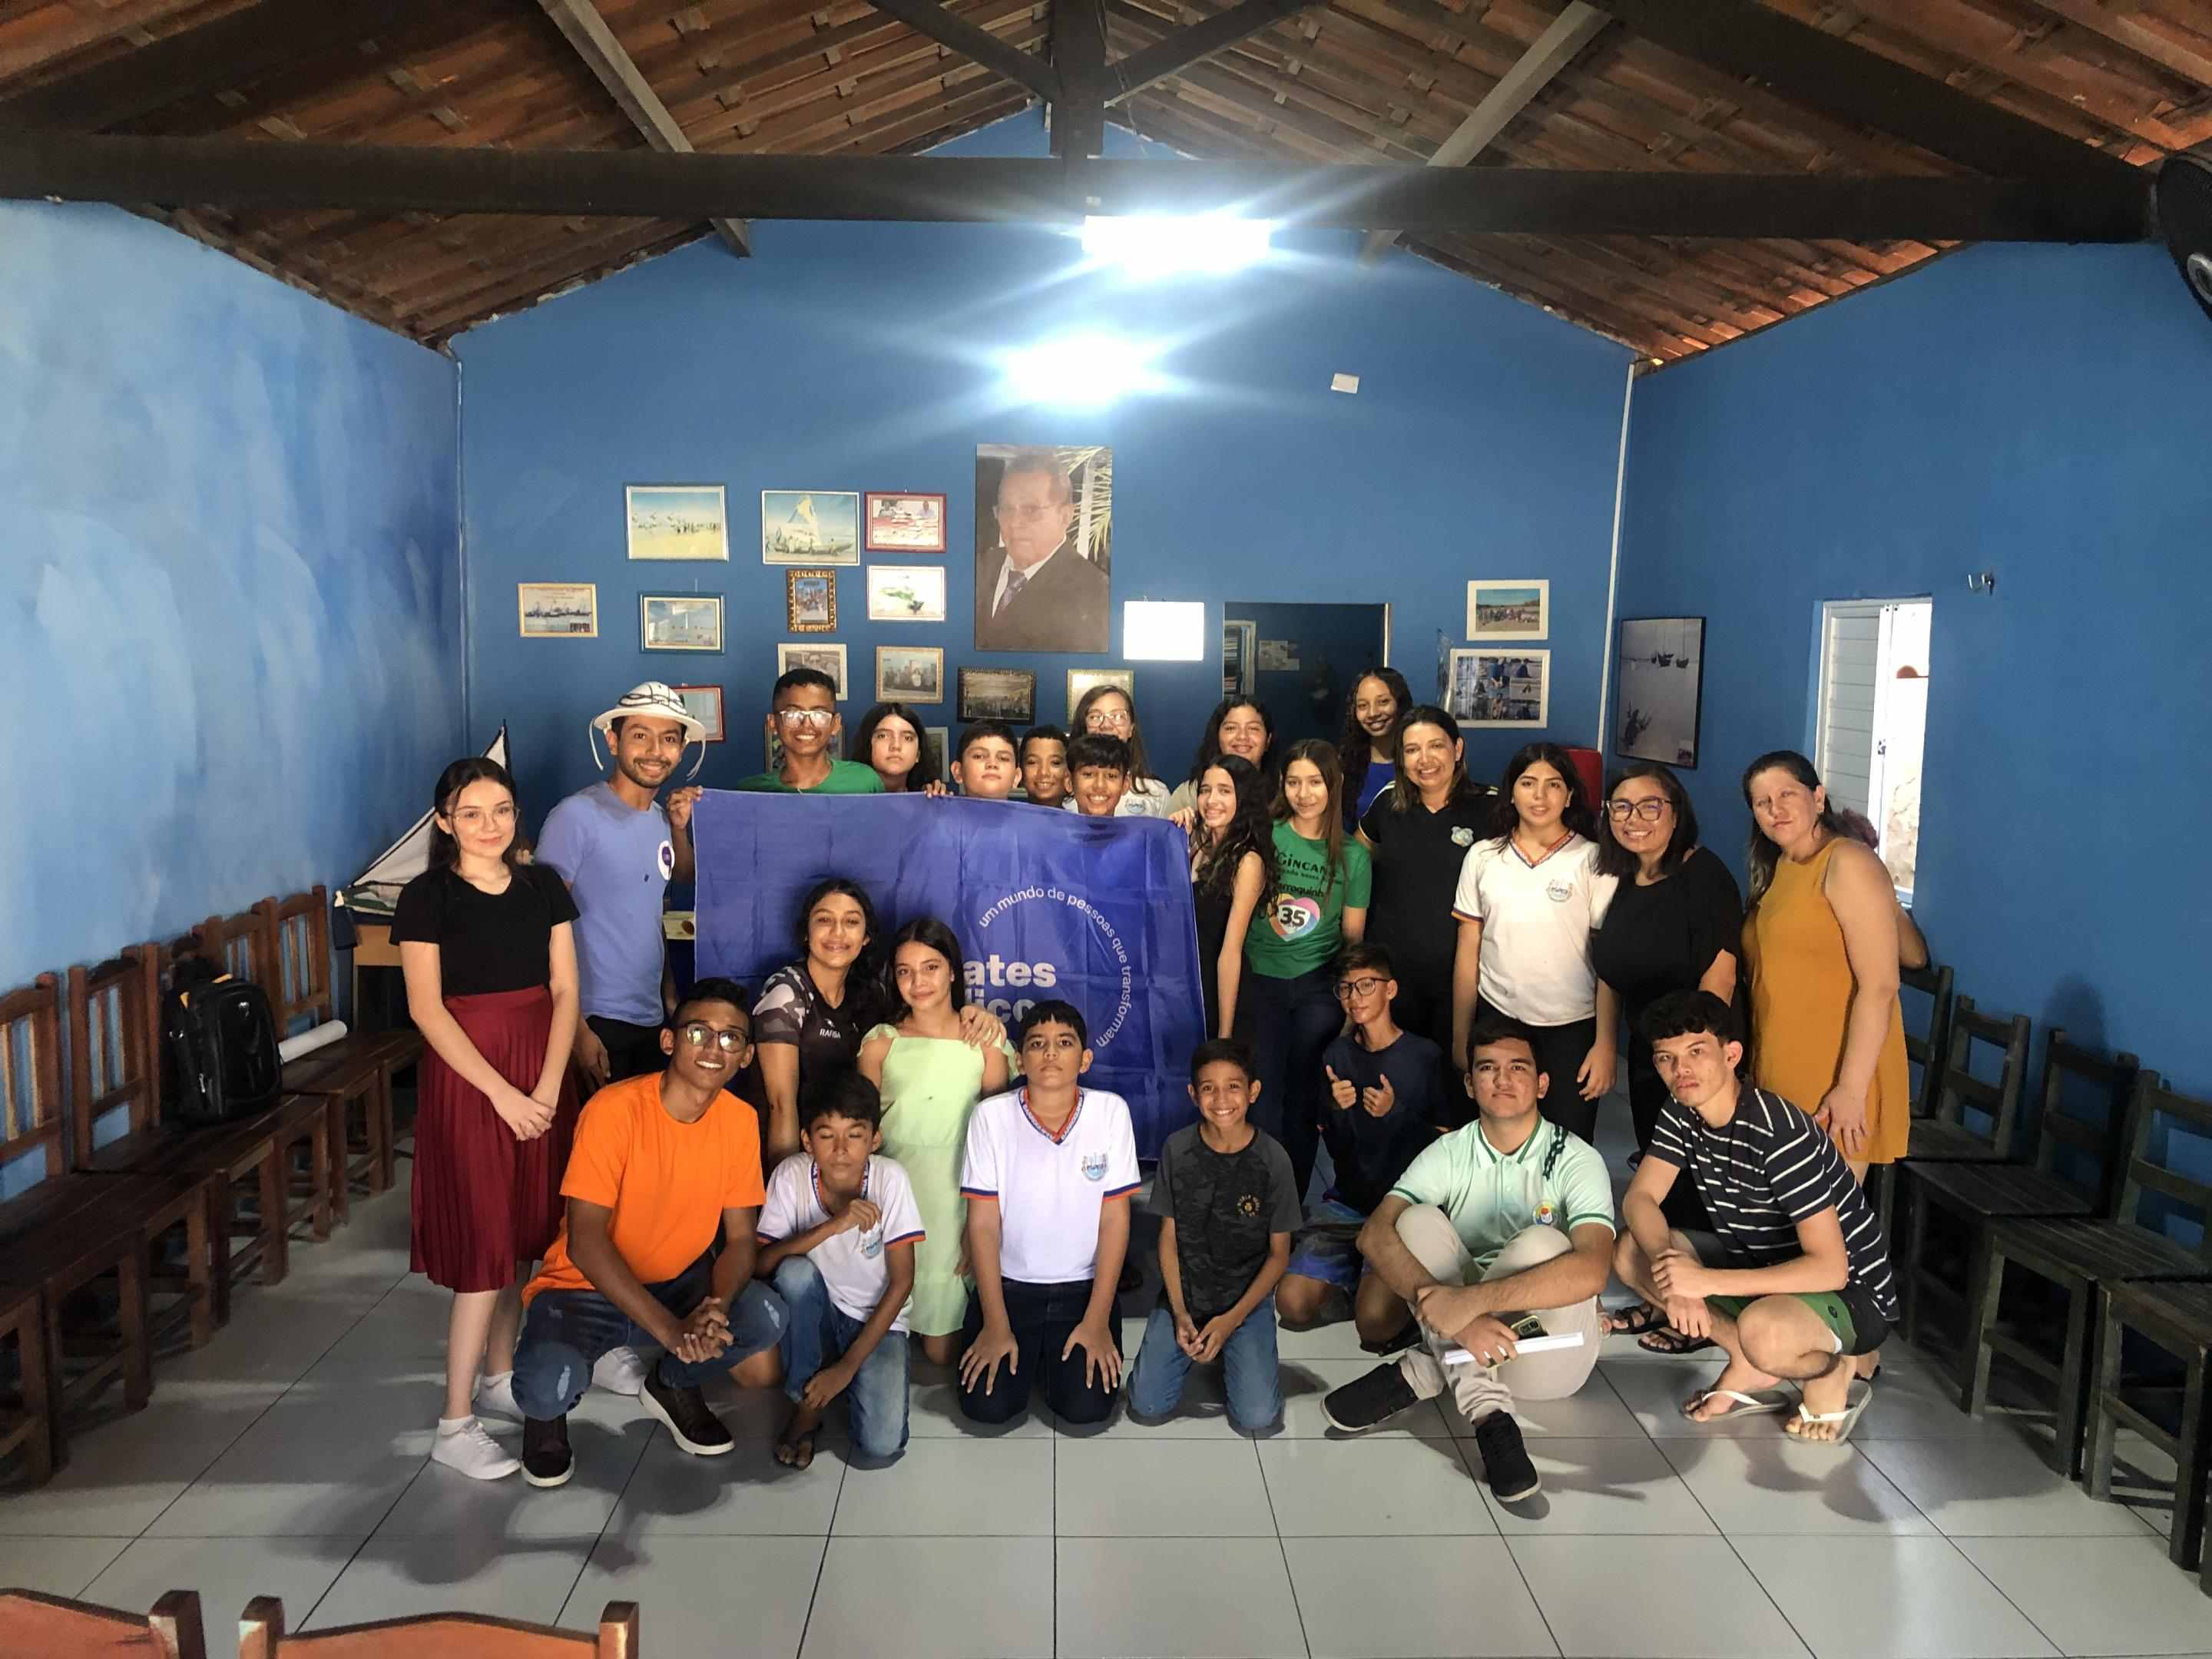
(485, 1204)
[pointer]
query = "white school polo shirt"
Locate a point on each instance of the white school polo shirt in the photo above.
(1536, 923)
(852, 1265)
(1048, 1188)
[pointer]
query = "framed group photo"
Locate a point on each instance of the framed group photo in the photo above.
(1501, 688)
(823, 658)
(677, 521)
(810, 601)
(909, 673)
(1661, 671)
(998, 693)
(906, 593)
(905, 523)
(810, 527)
(558, 610)
(680, 621)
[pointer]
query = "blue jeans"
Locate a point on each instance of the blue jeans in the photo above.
(819, 1330)
(565, 1332)
(1043, 1317)
(1247, 1370)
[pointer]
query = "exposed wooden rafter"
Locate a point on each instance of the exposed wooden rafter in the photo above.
(1023, 69)
(1177, 52)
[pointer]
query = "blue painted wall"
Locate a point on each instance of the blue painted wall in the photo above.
(1483, 442)
(2025, 409)
(229, 599)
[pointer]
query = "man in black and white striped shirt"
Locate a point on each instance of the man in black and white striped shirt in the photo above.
(1803, 1293)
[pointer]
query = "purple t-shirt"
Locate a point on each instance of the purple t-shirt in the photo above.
(618, 862)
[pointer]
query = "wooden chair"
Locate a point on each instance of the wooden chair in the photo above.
(1927, 1053)
(357, 1070)
(256, 1199)
(114, 1061)
(54, 1627)
(437, 1636)
(1975, 1194)
(30, 1426)
(2083, 1257)
(1945, 1135)
(2177, 1318)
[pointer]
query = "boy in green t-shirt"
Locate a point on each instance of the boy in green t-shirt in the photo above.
(803, 717)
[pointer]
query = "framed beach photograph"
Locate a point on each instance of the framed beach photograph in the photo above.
(998, 693)
(680, 621)
(677, 521)
(909, 673)
(906, 593)
(558, 610)
(810, 527)
(1501, 687)
(810, 601)
(1661, 674)
(1080, 680)
(704, 704)
(905, 523)
(1508, 610)
(824, 658)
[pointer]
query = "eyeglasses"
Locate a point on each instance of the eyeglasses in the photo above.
(1348, 988)
(728, 1042)
(819, 718)
(1098, 720)
(1649, 811)
(1032, 515)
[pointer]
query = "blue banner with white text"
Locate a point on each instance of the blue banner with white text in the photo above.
(1045, 904)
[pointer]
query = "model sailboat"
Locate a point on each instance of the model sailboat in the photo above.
(375, 891)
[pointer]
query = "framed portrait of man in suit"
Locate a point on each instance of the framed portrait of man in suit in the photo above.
(1044, 523)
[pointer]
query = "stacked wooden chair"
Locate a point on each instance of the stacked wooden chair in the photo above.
(1928, 1053)
(261, 1635)
(1945, 1135)
(2175, 1316)
(39, 1626)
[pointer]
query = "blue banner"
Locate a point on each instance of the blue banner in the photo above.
(1046, 904)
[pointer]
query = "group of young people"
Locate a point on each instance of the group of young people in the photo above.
(1421, 976)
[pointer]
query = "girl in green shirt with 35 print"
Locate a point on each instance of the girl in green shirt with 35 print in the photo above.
(1316, 905)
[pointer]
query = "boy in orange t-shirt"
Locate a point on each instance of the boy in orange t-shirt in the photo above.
(660, 1164)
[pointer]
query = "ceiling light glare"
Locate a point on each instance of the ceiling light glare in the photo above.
(1165, 244)
(1078, 369)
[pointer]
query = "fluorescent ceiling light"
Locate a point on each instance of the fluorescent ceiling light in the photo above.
(1079, 368)
(1161, 245)
(1163, 630)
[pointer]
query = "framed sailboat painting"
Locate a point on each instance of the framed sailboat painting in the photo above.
(810, 527)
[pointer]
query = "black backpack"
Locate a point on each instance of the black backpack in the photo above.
(221, 1037)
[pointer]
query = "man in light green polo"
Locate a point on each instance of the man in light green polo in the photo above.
(1507, 1221)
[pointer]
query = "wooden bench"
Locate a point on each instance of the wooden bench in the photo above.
(54, 1627)
(29, 1427)
(2177, 1318)
(261, 1635)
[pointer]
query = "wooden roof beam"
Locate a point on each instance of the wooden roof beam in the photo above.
(1078, 58)
(1558, 46)
(1182, 47)
(588, 35)
(1023, 69)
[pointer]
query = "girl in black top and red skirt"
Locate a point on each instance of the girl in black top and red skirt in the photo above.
(486, 945)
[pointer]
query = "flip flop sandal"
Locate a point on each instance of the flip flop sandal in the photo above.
(799, 1447)
(1854, 1406)
(1669, 1340)
(1634, 1320)
(1746, 1405)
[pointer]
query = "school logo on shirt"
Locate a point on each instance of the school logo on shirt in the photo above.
(1544, 1213)
(1293, 915)
(1094, 1168)
(1462, 837)
(1560, 890)
(1248, 1205)
(872, 1245)
(667, 860)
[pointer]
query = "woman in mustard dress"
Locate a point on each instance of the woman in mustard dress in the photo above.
(1820, 948)
(932, 1067)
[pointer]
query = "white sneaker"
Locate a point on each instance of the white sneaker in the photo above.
(620, 1371)
(474, 1453)
(495, 1397)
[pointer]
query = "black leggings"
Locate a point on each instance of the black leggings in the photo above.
(1293, 1021)
(1560, 1051)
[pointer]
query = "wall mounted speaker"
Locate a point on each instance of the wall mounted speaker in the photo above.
(2184, 215)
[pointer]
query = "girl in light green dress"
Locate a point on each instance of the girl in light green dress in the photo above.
(932, 1067)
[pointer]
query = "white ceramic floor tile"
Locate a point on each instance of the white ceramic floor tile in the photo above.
(703, 1595)
(1594, 1412)
(1654, 1389)
(1908, 1598)
(748, 1414)
(1338, 1340)
(1455, 1596)
(505, 1577)
(58, 1566)
(1597, 1487)
(1628, 1601)
(2098, 1595)
(1165, 1599)
(1165, 1488)
(1992, 1487)
(608, 1435)
(953, 1488)
(228, 1573)
(1305, 1382)
(744, 1490)
(122, 1473)
(313, 1466)
(1777, 1485)
(1376, 1488)
(956, 1598)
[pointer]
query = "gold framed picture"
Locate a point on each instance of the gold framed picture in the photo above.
(810, 601)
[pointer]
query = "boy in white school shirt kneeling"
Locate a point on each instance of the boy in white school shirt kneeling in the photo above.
(837, 1233)
(1049, 1170)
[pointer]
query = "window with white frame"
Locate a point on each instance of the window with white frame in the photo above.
(1873, 719)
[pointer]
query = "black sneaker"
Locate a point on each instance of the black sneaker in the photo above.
(696, 1429)
(1505, 1462)
(546, 1459)
(1398, 1344)
(1368, 1402)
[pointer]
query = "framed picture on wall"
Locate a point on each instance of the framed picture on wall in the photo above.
(938, 741)
(680, 621)
(1240, 665)
(1501, 687)
(998, 693)
(558, 610)
(824, 658)
(704, 704)
(1508, 610)
(909, 673)
(906, 593)
(810, 527)
(906, 523)
(677, 521)
(1044, 523)
(1659, 678)
(1080, 680)
(810, 601)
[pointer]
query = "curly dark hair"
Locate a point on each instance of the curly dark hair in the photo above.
(1252, 829)
(1354, 753)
